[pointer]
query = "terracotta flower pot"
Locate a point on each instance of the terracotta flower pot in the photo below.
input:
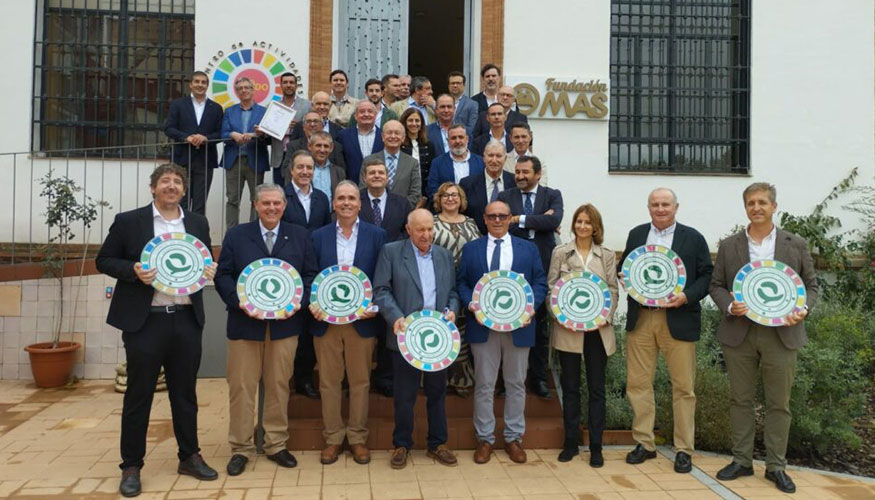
(51, 366)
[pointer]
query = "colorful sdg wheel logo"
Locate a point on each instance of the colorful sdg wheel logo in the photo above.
(260, 66)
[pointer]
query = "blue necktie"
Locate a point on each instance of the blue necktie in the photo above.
(391, 170)
(527, 206)
(494, 195)
(496, 257)
(378, 214)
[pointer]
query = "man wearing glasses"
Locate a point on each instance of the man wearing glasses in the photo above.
(499, 250)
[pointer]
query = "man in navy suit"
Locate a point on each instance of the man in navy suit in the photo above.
(496, 117)
(362, 140)
(438, 131)
(455, 165)
(307, 207)
(490, 79)
(537, 212)
(466, 109)
(320, 102)
(499, 250)
(195, 124)
(483, 188)
(507, 99)
(245, 158)
(349, 347)
(260, 349)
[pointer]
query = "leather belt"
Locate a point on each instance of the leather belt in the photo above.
(172, 308)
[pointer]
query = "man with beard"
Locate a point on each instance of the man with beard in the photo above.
(456, 164)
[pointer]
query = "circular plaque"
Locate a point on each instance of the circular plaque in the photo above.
(653, 275)
(429, 342)
(180, 259)
(770, 289)
(342, 293)
(271, 286)
(581, 301)
(503, 301)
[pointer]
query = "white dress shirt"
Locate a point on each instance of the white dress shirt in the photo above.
(764, 250)
(489, 181)
(461, 168)
(414, 149)
(664, 237)
(366, 141)
(383, 197)
(346, 247)
(264, 230)
(198, 108)
(506, 255)
(161, 225)
(304, 198)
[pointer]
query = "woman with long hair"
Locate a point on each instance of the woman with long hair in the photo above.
(416, 145)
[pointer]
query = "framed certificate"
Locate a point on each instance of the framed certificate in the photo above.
(277, 119)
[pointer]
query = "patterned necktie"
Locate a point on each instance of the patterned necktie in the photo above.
(392, 163)
(527, 206)
(494, 195)
(378, 214)
(268, 241)
(496, 257)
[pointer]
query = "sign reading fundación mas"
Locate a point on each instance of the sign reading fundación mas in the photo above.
(262, 62)
(561, 98)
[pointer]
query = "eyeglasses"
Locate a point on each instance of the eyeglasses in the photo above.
(313, 122)
(495, 217)
(450, 195)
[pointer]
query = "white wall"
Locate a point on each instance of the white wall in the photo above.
(812, 111)
(16, 34)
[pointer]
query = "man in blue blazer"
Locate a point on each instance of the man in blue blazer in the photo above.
(307, 207)
(380, 207)
(455, 165)
(260, 349)
(466, 109)
(438, 131)
(194, 123)
(484, 188)
(413, 275)
(364, 134)
(246, 166)
(499, 250)
(346, 348)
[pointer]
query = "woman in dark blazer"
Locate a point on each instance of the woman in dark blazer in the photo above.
(416, 145)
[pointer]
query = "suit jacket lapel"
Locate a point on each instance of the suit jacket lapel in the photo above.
(409, 260)
(484, 259)
(255, 236)
(678, 238)
(359, 248)
(280, 241)
(742, 250)
(147, 225)
(782, 246)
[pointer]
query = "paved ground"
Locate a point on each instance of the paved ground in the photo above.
(63, 443)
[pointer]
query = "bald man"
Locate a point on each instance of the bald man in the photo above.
(362, 140)
(320, 102)
(403, 170)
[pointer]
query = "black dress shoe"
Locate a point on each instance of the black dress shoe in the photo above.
(781, 480)
(639, 455)
(683, 462)
(384, 389)
(196, 467)
(307, 389)
(734, 471)
(568, 453)
(130, 485)
(284, 459)
(541, 390)
(236, 464)
(596, 459)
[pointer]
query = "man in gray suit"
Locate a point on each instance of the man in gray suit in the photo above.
(467, 110)
(749, 347)
(404, 177)
(279, 147)
(411, 276)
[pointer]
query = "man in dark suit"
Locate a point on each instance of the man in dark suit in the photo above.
(312, 127)
(309, 208)
(438, 131)
(362, 140)
(411, 276)
(260, 349)
(346, 348)
(521, 138)
(320, 102)
(672, 329)
(537, 212)
(466, 110)
(404, 177)
(245, 157)
(496, 117)
(749, 347)
(491, 349)
(455, 165)
(157, 329)
(195, 123)
(507, 99)
(279, 148)
(490, 79)
(483, 188)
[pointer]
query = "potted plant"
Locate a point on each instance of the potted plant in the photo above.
(52, 362)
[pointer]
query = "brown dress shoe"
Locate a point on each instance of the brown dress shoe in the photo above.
(443, 455)
(360, 453)
(330, 454)
(483, 452)
(515, 451)
(399, 458)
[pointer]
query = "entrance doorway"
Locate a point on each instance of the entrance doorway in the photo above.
(436, 40)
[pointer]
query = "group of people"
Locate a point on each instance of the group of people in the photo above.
(427, 249)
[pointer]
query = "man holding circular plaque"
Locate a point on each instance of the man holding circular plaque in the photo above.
(158, 329)
(259, 348)
(413, 275)
(346, 347)
(747, 345)
(498, 250)
(672, 328)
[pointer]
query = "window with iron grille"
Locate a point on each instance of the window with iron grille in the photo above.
(105, 71)
(680, 86)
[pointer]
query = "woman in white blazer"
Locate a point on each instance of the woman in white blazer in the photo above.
(584, 253)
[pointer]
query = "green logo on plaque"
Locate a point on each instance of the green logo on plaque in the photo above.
(653, 279)
(502, 304)
(274, 288)
(173, 267)
(345, 298)
(771, 295)
(429, 340)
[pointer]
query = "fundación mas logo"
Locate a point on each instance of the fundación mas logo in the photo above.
(260, 61)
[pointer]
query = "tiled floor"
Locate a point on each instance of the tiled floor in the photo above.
(64, 444)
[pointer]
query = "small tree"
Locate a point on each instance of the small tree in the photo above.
(63, 210)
